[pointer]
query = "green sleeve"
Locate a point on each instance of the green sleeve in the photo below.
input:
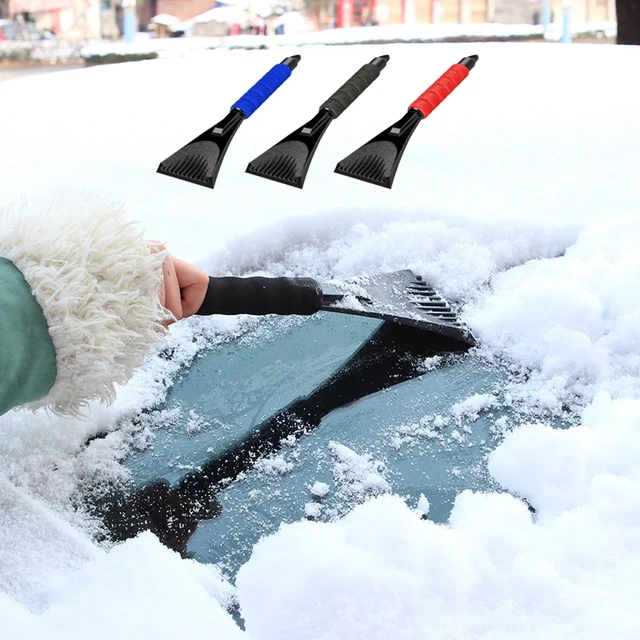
(27, 356)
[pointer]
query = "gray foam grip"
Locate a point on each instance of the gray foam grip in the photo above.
(261, 296)
(351, 89)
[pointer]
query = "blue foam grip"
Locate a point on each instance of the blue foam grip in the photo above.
(263, 89)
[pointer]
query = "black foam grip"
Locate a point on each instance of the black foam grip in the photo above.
(261, 296)
(351, 89)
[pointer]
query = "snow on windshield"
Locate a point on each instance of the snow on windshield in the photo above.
(518, 199)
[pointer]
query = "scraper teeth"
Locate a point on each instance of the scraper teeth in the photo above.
(369, 168)
(427, 300)
(196, 162)
(194, 168)
(282, 168)
(425, 291)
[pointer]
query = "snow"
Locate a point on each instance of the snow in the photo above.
(312, 510)
(583, 465)
(382, 572)
(518, 199)
(138, 590)
(165, 19)
(357, 477)
(573, 321)
(319, 489)
(274, 465)
(423, 505)
(231, 15)
(470, 408)
(493, 573)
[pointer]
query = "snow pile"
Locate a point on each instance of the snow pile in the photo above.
(274, 465)
(319, 489)
(138, 590)
(456, 256)
(496, 571)
(312, 510)
(357, 477)
(574, 321)
(196, 423)
(36, 546)
(470, 408)
(423, 506)
(589, 471)
(427, 427)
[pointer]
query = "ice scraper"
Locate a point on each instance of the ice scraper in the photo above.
(289, 160)
(200, 160)
(378, 160)
(392, 354)
(400, 296)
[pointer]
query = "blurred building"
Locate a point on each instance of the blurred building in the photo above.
(182, 9)
(362, 12)
(72, 19)
(57, 15)
(517, 11)
(90, 19)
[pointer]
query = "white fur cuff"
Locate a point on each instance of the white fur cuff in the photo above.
(97, 282)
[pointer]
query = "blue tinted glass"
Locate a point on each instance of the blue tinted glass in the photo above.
(238, 387)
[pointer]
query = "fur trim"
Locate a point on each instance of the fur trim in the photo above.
(97, 282)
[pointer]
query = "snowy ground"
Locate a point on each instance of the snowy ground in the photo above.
(535, 156)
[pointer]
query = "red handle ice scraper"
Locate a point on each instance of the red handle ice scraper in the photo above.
(378, 160)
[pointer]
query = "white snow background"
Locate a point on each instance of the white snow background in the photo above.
(518, 199)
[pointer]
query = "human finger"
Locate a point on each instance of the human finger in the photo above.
(172, 296)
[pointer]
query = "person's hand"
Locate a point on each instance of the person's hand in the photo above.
(184, 287)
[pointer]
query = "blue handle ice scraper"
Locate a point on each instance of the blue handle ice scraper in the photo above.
(199, 161)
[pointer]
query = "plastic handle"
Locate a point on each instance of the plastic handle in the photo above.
(352, 88)
(263, 89)
(440, 89)
(262, 296)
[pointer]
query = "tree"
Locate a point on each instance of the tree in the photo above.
(628, 14)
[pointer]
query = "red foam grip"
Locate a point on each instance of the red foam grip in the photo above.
(440, 89)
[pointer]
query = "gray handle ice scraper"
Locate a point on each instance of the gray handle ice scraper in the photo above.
(400, 296)
(289, 160)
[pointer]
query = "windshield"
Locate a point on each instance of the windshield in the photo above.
(306, 418)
